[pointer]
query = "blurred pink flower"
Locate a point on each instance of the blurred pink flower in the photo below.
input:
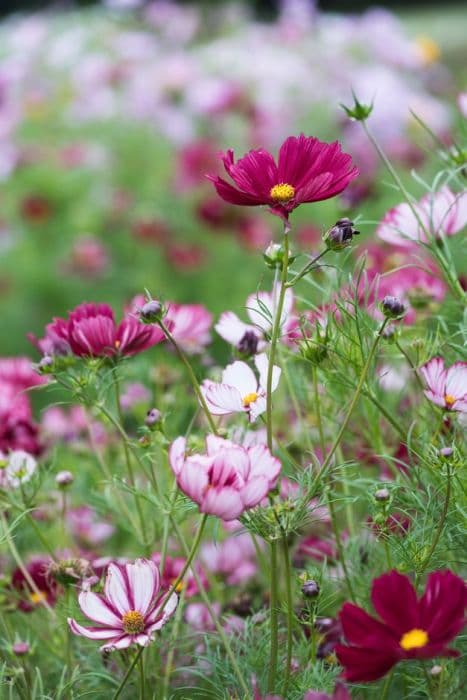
(228, 479)
(87, 258)
(442, 213)
(172, 568)
(85, 526)
(446, 387)
(239, 390)
(308, 170)
(134, 394)
(234, 558)
(47, 589)
(129, 611)
(190, 325)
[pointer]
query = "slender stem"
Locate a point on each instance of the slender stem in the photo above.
(386, 686)
(276, 329)
(306, 269)
(39, 534)
(339, 547)
(353, 402)
(214, 615)
(383, 410)
(410, 363)
(273, 603)
(194, 547)
(141, 676)
(290, 612)
(171, 652)
(387, 551)
(441, 525)
(128, 673)
(192, 376)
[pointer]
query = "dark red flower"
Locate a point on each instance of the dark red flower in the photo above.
(91, 331)
(308, 170)
(408, 628)
(47, 588)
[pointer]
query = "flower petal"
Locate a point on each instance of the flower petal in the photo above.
(395, 601)
(116, 590)
(144, 582)
(97, 609)
(93, 632)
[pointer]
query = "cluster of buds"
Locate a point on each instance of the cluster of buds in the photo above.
(340, 235)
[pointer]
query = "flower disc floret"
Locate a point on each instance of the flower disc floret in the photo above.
(414, 639)
(133, 622)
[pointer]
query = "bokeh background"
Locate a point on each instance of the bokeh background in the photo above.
(112, 113)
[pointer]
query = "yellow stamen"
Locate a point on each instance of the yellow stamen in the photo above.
(449, 400)
(282, 193)
(249, 398)
(428, 49)
(133, 622)
(415, 639)
(38, 597)
(117, 344)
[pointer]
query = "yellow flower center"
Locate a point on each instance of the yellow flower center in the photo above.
(38, 597)
(282, 193)
(133, 622)
(428, 49)
(449, 400)
(249, 398)
(415, 639)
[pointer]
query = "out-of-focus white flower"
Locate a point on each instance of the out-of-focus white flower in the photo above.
(20, 468)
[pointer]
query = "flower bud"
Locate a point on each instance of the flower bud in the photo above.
(273, 256)
(382, 495)
(45, 365)
(153, 417)
(310, 589)
(340, 235)
(20, 648)
(70, 571)
(248, 345)
(64, 479)
(358, 112)
(151, 312)
(436, 670)
(446, 452)
(393, 307)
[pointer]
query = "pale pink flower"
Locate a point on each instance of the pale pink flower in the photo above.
(190, 325)
(260, 308)
(228, 479)
(234, 559)
(129, 612)
(240, 391)
(442, 213)
(20, 468)
(446, 387)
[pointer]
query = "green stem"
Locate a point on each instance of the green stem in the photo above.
(171, 652)
(386, 686)
(273, 603)
(387, 551)
(128, 673)
(290, 612)
(141, 676)
(442, 523)
(276, 329)
(192, 376)
(213, 614)
(339, 547)
(39, 535)
(353, 402)
(305, 270)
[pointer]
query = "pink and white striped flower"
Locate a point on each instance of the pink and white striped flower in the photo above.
(228, 479)
(446, 387)
(260, 308)
(442, 213)
(129, 612)
(240, 391)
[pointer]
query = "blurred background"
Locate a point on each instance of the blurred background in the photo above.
(112, 113)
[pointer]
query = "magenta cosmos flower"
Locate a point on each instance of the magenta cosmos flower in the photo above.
(240, 391)
(446, 387)
(408, 628)
(91, 331)
(308, 170)
(129, 612)
(228, 479)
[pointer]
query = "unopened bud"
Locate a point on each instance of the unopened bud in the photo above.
(436, 670)
(45, 365)
(393, 307)
(273, 256)
(20, 648)
(446, 452)
(248, 345)
(70, 571)
(64, 479)
(340, 235)
(358, 112)
(151, 312)
(153, 417)
(382, 495)
(310, 589)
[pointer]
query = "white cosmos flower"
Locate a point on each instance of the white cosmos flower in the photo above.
(20, 468)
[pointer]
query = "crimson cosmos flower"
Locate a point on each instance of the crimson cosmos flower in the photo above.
(308, 170)
(408, 628)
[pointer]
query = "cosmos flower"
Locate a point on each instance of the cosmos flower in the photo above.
(308, 170)
(46, 588)
(129, 611)
(240, 391)
(190, 324)
(446, 387)
(228, 479)
(407, 628)
(442, 213)
(19, 469)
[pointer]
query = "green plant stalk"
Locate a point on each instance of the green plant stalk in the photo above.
(192, 376)
(290, 612)
(441, 525)
(353, 402)
(141, 676)
(213, 614)
(171, 652)
(306, 269)
(274, 627)
(387, 685)
(127, 675)
(39, 535)
(451, 280)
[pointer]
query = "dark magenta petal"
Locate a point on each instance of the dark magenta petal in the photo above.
(395, 601)
(442, 606)
(233, 196)
(361, 628)
(364, 664)
(255, 174)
